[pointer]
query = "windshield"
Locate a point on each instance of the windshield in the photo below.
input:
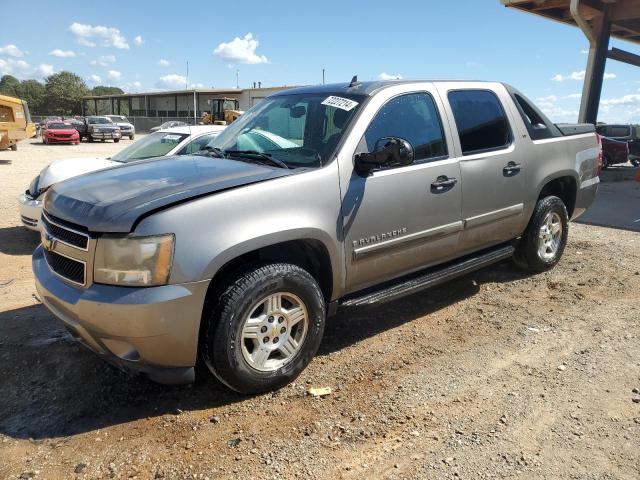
(116, 118)
(153, 145)
(300, 130)
(96, 120)
(58, 126)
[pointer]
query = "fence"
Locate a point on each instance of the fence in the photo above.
(142, 124)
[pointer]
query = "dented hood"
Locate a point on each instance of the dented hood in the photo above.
(113, 200)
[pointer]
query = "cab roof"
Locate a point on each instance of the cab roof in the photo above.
(367, 88)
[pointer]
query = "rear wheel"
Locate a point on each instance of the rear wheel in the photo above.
(545, 238)
(265, 329)
(14, 147)
(89, 138)
(131, 137)
(116, 140)
(606, 162)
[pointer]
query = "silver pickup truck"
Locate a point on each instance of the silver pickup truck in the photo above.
(317, 197)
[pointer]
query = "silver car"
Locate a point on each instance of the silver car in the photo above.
(316, 198)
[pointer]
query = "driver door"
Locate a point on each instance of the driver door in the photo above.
(399, 219)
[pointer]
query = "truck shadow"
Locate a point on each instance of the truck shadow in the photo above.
(18, 241)
(52, 386)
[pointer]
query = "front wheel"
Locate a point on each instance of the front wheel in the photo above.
(116, 140)
(14, 147)
(265, 329)
(89, 138)
(545, 238)
(131, 137)
(635, 162)
(606, 162)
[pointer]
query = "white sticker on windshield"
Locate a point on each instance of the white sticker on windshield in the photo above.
(171, 138)
(339, 102)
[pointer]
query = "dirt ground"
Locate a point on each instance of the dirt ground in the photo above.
(494, 375)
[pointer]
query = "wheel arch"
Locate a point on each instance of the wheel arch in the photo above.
(563, 185)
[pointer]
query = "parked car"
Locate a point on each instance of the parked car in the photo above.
(173, 141)
(100, 128)
(60, 132)
(126, 127)
(171, 124)
(613, 152)
(625, 133)
(385, 189)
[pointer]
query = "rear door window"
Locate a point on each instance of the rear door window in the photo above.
(481, 121)
(6, 114)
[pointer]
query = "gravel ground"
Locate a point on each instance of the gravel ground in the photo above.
(494, 375)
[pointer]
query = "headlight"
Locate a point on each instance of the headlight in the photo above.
(134, 261)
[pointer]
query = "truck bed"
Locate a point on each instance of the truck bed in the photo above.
(568, 129)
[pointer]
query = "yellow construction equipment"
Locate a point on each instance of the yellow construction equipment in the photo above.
(15, 122)
(223, 111)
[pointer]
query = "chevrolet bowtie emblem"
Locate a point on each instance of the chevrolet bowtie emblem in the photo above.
(48, 242)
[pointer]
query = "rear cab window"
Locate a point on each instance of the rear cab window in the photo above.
(481, 121)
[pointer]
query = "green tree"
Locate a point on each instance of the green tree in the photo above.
(33, 92)
(63, 93)
(101, 90)
(10, 85)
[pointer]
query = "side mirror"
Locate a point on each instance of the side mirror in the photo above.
(387, 152)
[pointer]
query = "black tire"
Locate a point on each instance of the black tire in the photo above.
(606, 162)
(131, 137)
(221, 346)
(527, 255)
(116, 140)
(14, 147)
(89, 138)
(635, 162)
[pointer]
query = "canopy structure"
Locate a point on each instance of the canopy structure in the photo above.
(599, 20)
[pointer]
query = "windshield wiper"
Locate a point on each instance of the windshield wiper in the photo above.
(252, 154)
(211, 152)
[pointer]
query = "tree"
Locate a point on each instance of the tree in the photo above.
(64, 92)
(10, 85)
(101, 90)
(33, 92)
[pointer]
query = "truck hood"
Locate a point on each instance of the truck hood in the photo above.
(66, 168)
(113, 200)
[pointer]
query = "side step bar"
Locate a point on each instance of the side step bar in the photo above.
(427, 279)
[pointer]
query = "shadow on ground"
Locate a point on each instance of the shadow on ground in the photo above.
(6, 162)
(52, 386)
(18, 241)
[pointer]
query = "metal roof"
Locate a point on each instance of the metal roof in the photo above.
(623, 14)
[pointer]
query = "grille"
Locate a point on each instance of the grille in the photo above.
(65, 267)
(32, 222)
(67, 236)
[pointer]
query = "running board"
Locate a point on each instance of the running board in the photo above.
(423, 280)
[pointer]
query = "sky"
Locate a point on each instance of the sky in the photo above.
(145, 46)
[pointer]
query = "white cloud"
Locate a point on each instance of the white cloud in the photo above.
(104, 60)
(11, 66)
(578, 76)
(94, 78)
(584, 52)
(138, 40)
(110, 36)
(387, 76)
(172, 80)
(62, 53)
(550, 99)
(11, 50)
(574, 95)
(164, 63)
(137, 84)
(114, 75)
(242, 50)
(633, 99)
(196, 85)
(45, 70)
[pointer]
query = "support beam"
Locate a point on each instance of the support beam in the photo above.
(598, 33)
(625, 57)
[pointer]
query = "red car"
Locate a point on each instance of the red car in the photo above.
(613, 151)
(60, 132)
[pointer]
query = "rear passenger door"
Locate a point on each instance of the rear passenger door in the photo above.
(492, 170)
(398, 219)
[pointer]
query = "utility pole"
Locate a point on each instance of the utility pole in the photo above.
(323, 76)
(237, 81)
(186, 85)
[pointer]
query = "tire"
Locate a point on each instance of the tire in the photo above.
(89, 138)
(531, 253)
(635, 162)
(606, 162)
(240, 362)
(14, 147)
(131, 137)
(116, 140)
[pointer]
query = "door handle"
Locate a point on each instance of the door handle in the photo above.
(443, 183)
(511, 168)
